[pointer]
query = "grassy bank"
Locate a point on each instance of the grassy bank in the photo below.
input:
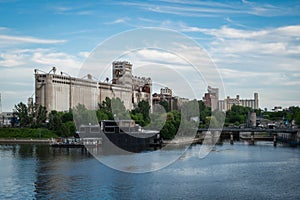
(26, 133)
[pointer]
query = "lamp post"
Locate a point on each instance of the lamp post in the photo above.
(70, 90)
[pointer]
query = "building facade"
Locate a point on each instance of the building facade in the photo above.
(227, 103)
(174, 102)
(211, 98)
(62, 92)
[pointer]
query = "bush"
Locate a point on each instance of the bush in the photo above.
(26, 133)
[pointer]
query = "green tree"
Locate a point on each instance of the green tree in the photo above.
(205, 113)
(55, 123)
(66, 117)
(171, 125)
(297, 118)
(39, 114)
(141, 113)
(83, 116)
(118, 109)
(237, 115)
(166, 105)
(23, 115)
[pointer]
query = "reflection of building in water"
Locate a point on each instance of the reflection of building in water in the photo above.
(174, 102)
(62, 92)
(211, 99)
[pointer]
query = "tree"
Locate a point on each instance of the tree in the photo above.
(166, 105)
(83, 116)
(39, 116)
(118, 109)
(297, 118)
(171, 125)
(23, 115)
(205, 113)
(237, 115)
(66, 117)
(141, 113)
(55, 123)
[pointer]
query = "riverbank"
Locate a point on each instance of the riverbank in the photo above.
(24, 141)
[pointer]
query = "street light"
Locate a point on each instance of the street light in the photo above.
(70, 90)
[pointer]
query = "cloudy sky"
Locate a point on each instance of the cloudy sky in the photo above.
(255, 45)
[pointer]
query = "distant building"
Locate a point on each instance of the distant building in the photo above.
(211, 98)
(227, 103)
(174, 102)
(62, 92)
(6, 119)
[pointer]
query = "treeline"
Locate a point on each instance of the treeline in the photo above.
(194, 114)
(33, 116)
(238, 115)
(287, 115)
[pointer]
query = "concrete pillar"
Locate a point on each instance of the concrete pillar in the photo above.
(252, 138)
(274, 139)
(231, 138)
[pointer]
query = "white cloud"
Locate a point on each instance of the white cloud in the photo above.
(214, 9)
(38, 57)
(119, 21)
(280, 41)
(84, 54)
(18, 65)
(8, 39)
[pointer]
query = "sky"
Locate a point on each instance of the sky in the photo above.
(255, 45)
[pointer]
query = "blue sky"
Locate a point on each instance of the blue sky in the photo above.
(254, 44)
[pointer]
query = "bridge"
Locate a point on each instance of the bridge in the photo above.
(286, 135)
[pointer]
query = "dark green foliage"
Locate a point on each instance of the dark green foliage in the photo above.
(205, 113)
(83, 116)
(118, 109)
(61, 123)
(171, 125)
(290, 114)
(66, 117)
(237, 115)
(141, 113)
(23, 115)
(166, 105)
(33, 116)
(33, 133)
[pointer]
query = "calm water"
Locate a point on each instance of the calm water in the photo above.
(229, 172)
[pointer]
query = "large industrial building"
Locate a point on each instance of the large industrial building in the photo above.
(227, 103)
(211, 99)
(62, 92)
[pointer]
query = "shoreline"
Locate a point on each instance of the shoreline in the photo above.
(24, 141)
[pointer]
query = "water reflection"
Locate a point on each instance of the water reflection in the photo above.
(229, 172)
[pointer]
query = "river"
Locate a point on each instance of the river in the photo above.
(239, 171)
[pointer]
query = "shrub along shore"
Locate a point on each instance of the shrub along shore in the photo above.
(26, 133)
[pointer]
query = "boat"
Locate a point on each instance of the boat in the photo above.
(124, 134)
